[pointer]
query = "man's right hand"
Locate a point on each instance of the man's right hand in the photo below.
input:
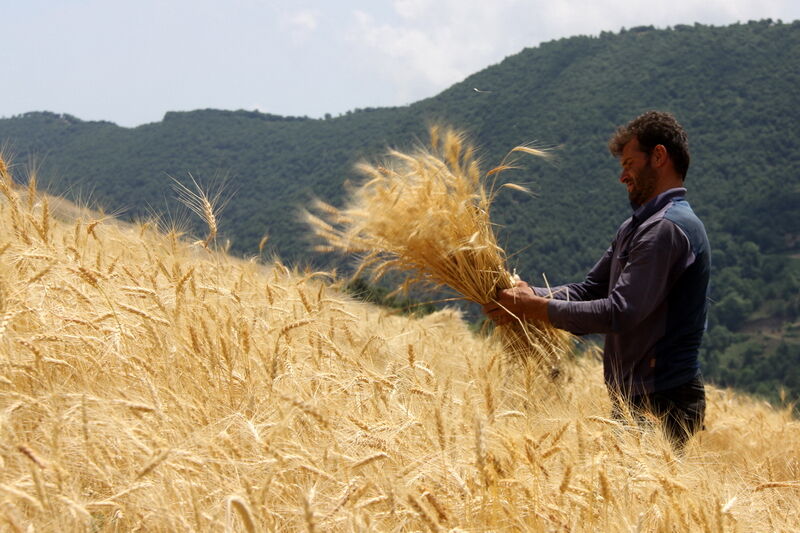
(517, 303)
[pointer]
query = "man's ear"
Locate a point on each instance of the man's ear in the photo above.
(659, 155)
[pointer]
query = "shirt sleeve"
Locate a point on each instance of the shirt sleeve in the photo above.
(656, 258)
(593, 287)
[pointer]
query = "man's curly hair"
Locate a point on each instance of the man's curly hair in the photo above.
(651, 129)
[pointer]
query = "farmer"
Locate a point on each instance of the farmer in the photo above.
(648, 291)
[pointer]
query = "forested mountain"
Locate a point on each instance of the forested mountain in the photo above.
(734, 88)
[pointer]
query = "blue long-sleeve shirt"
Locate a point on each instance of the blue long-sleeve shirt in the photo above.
(648, 294)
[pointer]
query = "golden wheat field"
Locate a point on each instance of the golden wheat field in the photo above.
(149, 384)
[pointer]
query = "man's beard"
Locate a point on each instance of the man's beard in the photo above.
(643, 186)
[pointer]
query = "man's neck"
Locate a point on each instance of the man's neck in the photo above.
(665, 183)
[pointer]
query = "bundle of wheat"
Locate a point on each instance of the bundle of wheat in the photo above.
(426, 214)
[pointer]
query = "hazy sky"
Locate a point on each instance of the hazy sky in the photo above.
(131, 61)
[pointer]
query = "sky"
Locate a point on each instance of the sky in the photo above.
(129, 62)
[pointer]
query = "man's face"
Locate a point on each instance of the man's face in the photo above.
(637, 174)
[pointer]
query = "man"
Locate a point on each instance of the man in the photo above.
(648, 292)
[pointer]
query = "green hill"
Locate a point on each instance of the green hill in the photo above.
(734, 88)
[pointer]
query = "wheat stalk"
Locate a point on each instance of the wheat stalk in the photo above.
(243, 509)
(205, 206)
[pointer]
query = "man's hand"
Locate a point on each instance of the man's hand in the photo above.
(517, 303)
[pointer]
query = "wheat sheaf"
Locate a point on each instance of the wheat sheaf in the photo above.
(426, 214)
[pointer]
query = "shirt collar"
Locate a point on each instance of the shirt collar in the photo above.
(644, 212)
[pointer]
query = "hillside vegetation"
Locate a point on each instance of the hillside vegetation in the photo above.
(147, 383)
(734, 88)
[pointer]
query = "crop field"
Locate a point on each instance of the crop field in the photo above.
(148, 383)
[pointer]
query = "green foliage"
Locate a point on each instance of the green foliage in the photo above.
(734, 88)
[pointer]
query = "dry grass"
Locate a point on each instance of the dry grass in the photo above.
(426, 214)
(251, 398)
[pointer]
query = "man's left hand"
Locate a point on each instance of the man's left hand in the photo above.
(517, 303)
